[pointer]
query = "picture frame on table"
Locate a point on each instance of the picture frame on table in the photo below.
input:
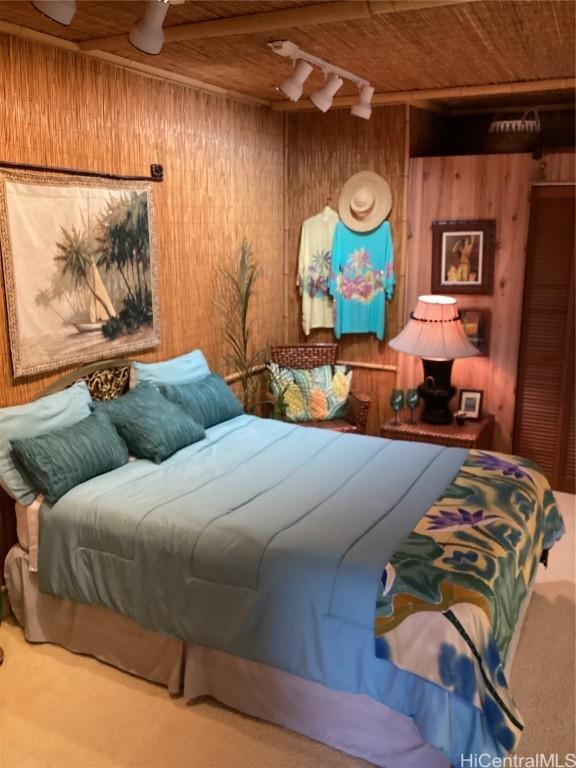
(476, 324)
(470, 403)
(463, 256)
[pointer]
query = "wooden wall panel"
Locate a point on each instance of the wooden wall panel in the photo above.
(481, 186)
(324, 150)
(223, 164)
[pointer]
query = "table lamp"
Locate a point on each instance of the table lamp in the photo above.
(436, 334)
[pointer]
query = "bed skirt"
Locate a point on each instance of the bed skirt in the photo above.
(355, 724)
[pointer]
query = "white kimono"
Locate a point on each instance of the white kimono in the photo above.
(314, 261)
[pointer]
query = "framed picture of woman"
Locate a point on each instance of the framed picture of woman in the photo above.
(463, 256)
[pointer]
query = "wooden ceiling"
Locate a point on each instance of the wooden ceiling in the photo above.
(452, 45)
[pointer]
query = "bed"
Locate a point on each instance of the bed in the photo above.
(364, 592)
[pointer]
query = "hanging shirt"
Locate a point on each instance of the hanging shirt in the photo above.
(362, 278)
(314, 270)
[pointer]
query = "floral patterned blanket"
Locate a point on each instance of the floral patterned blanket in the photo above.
(453, 591)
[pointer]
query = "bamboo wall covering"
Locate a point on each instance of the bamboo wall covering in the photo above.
(324, 150)
(479, 187)
(223, 164)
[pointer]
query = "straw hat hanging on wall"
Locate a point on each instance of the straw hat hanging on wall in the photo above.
(365, 201)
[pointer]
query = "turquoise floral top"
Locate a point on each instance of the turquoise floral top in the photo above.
(362, 278)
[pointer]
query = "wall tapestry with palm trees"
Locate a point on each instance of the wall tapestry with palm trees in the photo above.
(79, 262)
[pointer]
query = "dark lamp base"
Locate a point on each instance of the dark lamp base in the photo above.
(436, 392)
(436, 404)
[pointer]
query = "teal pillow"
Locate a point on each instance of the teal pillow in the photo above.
(32, 419)
(152, 427)
(188, 367)
(208, 401)
(58, 461)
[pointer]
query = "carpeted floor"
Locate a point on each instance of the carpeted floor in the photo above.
(544, 671)
(59, 710)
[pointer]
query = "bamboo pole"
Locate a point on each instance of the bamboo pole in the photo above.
(368, 366)
(402, 282)
(286, 271)
(233, 377)
(456, 92)
(270, 21)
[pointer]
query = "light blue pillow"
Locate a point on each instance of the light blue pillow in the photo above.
(188, 367)
(36, 418)
(58, 461)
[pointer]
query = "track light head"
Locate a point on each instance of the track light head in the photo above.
(147, 35)
(294, 85)
(322, 98)
(61, 11)
(363, 107)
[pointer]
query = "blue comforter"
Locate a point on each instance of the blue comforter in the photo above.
(267, 541)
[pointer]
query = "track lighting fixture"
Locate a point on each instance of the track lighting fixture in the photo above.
(61, 11)
(293, 86)
(147, 35)
(323, 97)
(363, 107)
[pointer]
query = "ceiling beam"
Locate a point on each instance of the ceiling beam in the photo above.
(430, 106)
(563, 106)
(438, 94)
(272, 21)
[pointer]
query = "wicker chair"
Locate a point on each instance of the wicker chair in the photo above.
(306, 356)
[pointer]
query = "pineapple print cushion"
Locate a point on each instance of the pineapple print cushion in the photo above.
(318, 394)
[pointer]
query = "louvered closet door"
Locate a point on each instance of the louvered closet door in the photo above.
(545, 412)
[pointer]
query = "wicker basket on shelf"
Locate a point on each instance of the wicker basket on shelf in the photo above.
(515, 135)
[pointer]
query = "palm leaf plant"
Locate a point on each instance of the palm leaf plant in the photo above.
(236, 292)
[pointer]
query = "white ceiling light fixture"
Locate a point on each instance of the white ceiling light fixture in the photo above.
(61, 11)
(147, 35)
(323, 97)
(363, 107)
(294, 85)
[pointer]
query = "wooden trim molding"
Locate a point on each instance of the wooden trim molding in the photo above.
(432, 94)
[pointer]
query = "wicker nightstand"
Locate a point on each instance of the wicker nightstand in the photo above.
(474, 434)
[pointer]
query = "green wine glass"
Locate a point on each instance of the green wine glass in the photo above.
(397, 403)
(412, 400)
